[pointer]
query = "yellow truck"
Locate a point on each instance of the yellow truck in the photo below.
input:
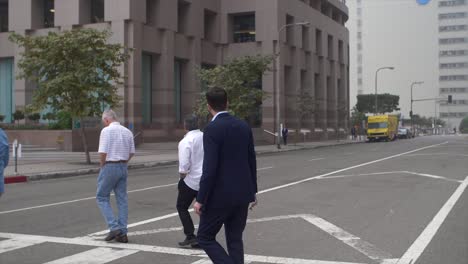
(382, 127)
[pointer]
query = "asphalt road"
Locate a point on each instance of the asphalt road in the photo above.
(399, 202)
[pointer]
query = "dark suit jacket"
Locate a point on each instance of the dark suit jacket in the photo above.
(229, 166)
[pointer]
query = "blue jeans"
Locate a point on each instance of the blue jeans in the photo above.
(113, 177)
(2, 179)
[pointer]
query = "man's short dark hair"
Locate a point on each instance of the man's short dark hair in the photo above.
(191, 122)
(217, 99)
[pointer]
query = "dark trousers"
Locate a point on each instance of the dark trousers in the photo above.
(184, 200)
(285, 140)
(234, 220)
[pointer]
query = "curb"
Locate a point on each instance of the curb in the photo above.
(81, 172)
(15, 179)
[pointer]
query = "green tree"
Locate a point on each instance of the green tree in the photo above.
(18, 115)
(35, 117)
(76, 71)
(305, 107)
(464, 125)
(49, 117)
(386, 103)
(357, 117)
(240, 78)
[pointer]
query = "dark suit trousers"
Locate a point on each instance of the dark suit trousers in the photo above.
(234, 220)
(184, 200)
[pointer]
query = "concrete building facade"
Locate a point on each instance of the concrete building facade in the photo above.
(172, 38)
(453, 58)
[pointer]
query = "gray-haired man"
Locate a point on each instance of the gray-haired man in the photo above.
(190, 170)
(116, 148)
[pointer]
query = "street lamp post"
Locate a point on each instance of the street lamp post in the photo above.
(376, 74)
(277, 52)
(411, 112)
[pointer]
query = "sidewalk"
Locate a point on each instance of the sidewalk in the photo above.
(40, 165)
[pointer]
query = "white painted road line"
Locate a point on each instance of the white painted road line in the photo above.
(158, 249)
(100, 233)
(83, 199)
(208, 261)
(266, 168)
(417, 248)
(283, 186)
(95, 256)
(402, 173)
(348, 168)
(13, 244)
(353, 241)
(93, 197)
(317, 159)
(203, 261)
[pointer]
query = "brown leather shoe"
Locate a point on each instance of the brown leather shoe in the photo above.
(113, 235)
(122, 239)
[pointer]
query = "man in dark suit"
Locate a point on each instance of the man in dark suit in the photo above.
(228, 183)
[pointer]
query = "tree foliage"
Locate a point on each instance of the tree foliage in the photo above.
(75, 71)
(357, 117)
(241, 78)
(386, 103)
(464, 125)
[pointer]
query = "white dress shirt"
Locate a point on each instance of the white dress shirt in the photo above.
(191, 158)
(117, 142)
(217, 114)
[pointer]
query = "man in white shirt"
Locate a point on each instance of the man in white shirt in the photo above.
(190, 170)
(116, 148)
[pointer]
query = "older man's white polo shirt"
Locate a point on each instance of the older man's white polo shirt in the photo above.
(191, 158)
(117, 142)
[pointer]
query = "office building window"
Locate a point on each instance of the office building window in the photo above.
(456, 65)
(243, 28)
(182, 16)
(290, 30)
(330, 47)
(450, 53)
(49, 12)
(453, 28)
(3, 15)
(6, 88)
(318, 42)
(97, 11)
(340, 51)
(453, 78)
(305, 37)
(151, 10)
(453, 40)
(178, 82)
(453, 90)
(452, 15)
(452, 3)
(147, 87)
(209, 25)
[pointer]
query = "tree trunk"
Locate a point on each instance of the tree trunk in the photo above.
(84, 142)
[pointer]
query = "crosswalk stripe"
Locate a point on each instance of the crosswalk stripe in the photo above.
(208, 261)
(203, 261)
(13, 244)
(99, 255)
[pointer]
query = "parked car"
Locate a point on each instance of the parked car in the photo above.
(404, 133)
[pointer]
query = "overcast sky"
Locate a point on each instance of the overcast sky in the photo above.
(402, 34)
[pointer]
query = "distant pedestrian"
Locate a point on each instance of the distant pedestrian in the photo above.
(116, 148)
(284, 134)
(190, 170)
(228, 183)
(4, 156)
(353, 132)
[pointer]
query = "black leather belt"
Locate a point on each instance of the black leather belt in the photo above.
(116, 161)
